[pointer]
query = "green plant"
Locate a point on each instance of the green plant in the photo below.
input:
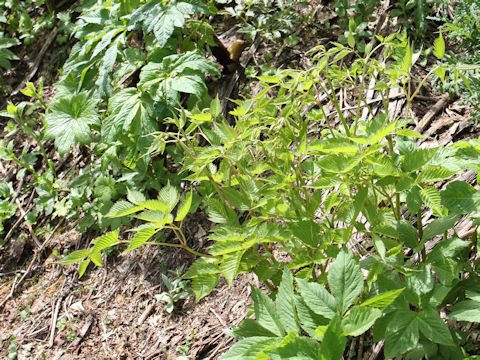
(12, 349)
(177, 289)
(269, 19)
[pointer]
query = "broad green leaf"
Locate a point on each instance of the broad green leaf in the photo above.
(202, 285)
(74, 257)
(401, 333)
(184, 207)
(317, 298)
(434, 173)
(269, 79)
(308, 319)
(160, 218)
(135, 196)
(325, 182)
(461, 197)
(307, 232)
(333, 146)
(96, 258)
(345, 280)
(439, 46)
(409, 133)
(434, 328)
(265, 312)
(360, 319)
(69, 120)
(123, 208)
(250, 328)
(155, 205)
(169, 195)
(414, 201)
(334, 341)
(468, 310)
(140, 238)
(301, 348)
(416, 159)
(431, 198)
(285, 303)
(104, 241)
(202, 266)
(338, 163)
(439, 226)
(383, 300)
(230, 264)
(82, 267)
(407, 233)
(215, 107)
(407, 61)
(217, 212)
(251, 348)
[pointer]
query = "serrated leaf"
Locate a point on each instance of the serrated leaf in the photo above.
(401, 333)
(96, 258)
(69, 120)
(414, 160)
(345, 280)
(338, 163)
(123, 208)
(74, 257)
(202, 266)
(169, 195)
(140, 238)
(135, 196)
(308, 319)
(434, 328)
(410, 133)
(434, 173)
(184, 207)
(265, 312)
(461, 197)
(249, 348)
(250, 328)
(383, 300)
(439, 226)
(217, 212)
(104, 241)
(407, 233)
(155, 205)
(160, 218)
(229, 266)
(431, 198)
(468, 310)
(317, 298)
(202, 285)
(335, 339)
(359, 320)
(82, 267)
(307, 232)
(300, 348)
(285, 303)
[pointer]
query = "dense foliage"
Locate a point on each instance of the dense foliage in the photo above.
(325, 208)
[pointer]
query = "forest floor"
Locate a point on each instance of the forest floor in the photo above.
(111, 312)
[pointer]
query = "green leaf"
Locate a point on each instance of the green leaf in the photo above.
(155, 205)
(96, 258)
(265, 312)
(202, 266)
(230, 264)
(300, 348)
(218, 212)
(285, 303)
(123, 208)
(431, 198)
(251, 348)
(416, 159)
(160, 218)
(317, 298)
(439, 226)
(468, 310)
(307, 232)
(308, 319)
(251, 328)
(184, 207)
(140, 238)
(439, 46)
(169, 195)
(461, 197)
(70, 119)
(202, 285)
(74, 257)
(104, 241)
(401, 333)
(135, 196)
(434, 328)
(334, 341)
(382, 301)
(407, 233)
(360, 319)
(434, 173)
(345, 280)
(82, 267)
(338, 163)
